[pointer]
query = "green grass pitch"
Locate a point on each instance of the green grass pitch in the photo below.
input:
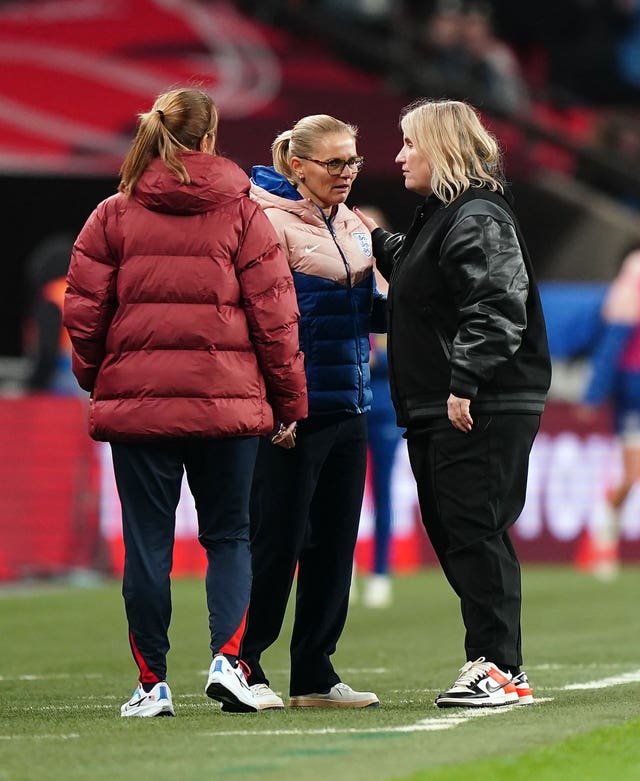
(65, 669)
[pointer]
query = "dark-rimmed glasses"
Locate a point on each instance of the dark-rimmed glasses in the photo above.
(336, 166)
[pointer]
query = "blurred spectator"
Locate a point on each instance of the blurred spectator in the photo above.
(384, 438)
(367, 9)
(47, 344)
(444, 70)
(628, 46)
(615, 378)
(493, 70)
(615, 148)
(460, 56)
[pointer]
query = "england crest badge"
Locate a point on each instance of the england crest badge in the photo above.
(364, 240)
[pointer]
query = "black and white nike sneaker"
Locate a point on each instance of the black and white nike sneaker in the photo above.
(481, 684)
(157, 702)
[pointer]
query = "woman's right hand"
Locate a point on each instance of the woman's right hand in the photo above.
(369, 222)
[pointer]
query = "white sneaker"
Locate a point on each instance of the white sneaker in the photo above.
(228, 685)
(266, 698)
(377, 593)
(157, 702)
(338, 696)
(480, 684)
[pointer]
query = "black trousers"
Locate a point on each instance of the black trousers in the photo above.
(148, 477)
(471, 489)
(305, 511)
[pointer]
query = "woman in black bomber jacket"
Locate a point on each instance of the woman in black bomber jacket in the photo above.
(469, 371)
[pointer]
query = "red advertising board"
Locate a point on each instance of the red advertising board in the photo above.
(59, 509)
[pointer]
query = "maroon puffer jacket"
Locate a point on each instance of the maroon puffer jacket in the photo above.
(182, 312)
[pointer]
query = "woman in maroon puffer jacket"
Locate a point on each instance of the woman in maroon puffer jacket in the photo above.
(183, 319)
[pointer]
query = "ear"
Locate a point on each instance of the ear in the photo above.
(296, 167)
(207, 143)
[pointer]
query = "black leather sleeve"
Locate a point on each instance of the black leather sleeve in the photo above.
(484, 268)
(386, 246)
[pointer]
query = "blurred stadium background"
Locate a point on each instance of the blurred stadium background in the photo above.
(558, 82)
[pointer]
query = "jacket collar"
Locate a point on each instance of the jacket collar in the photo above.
(269, 179)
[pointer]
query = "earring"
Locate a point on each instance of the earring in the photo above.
(300, 176)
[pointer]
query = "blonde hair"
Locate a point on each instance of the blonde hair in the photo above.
(300, 141)
(462, 153)
(178, 121)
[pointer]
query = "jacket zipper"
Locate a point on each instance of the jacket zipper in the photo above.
(353, 312)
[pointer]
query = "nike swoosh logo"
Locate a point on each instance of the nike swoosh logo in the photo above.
(308, 250)
(491, 689)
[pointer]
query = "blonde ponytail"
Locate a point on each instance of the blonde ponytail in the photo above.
(178, 122)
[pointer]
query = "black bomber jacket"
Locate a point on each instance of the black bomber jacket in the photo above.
(464, 311)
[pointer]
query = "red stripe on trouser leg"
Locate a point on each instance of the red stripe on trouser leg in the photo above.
(232, 646)
(146, 674)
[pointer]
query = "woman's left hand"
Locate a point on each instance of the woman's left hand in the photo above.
(285, 436)
(459, 415)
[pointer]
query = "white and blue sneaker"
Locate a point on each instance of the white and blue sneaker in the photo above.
(157, 702)
(228, 685)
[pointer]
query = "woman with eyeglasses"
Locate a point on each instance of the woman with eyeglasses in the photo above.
(309, 483)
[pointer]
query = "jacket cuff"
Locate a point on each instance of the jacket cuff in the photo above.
(463, 385)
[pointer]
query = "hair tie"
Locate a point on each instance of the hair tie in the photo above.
(161, 114)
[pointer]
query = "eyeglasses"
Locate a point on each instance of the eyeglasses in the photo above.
(336, 166)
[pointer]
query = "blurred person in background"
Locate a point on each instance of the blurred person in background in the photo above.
(615, 378)
(183, 319)
(440, 42)
(469, 371)
(611, 161)
(47, 344)
(384, 438)
(494, 74)
(306, 501)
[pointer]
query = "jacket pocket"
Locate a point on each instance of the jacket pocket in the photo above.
(445, 343)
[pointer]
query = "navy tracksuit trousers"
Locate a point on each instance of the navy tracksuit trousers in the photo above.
(149, 477)
(305, 511)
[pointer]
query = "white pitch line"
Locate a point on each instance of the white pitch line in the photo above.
(52, 677)
(71, 736)
(424, 725)
(603, 683)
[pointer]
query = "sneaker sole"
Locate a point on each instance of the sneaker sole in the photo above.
(455, 703)
(312, 702)
(166, 710)
(231, 703)
(227, 709)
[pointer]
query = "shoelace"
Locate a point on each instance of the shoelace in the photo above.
(259, 688)
(473, 671)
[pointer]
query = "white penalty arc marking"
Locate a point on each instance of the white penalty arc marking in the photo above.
(604, 683)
